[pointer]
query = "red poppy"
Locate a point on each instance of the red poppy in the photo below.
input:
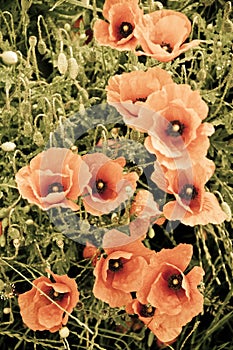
(173, 294)
(40, 313)
(55, 177)
(118, 32)
(129, 91)
(108, 186)
(193, 204)
(154, 320)
(121, 273)
(126, 234)
(144, 206)
(176, 133)
(162, 34)
(91, 252)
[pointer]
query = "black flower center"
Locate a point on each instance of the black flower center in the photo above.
(100, 186)
(167, 47)
(175, 281)
(141, 99)
(146, 310)
(125, 29)
(55, 187)
(188, 192)
(175, 128)
(56, 296)
(115, 265)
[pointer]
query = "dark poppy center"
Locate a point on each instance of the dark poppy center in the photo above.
(175, 281)
(141, 99)
(146, 310)
(188, 192)
(125, 29)
(56, 296)
(55, 187)
(115, 265)
(100, 186)
(167, 47)
(175, 128)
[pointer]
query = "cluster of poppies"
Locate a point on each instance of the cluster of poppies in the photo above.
(171, 115)
(155, 286)
(160, 34)
(57, 177)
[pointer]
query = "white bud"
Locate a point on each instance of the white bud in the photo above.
(62, 63)
(8, 146)
(16, 242)
(6, 310)
(9, 57)
(64, 332)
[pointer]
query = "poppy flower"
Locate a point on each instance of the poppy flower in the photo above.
(162, 34)
(154, 320)
(177, 133)
(126, 234)
(55, 177)
(144, 206)
(40, 313)
(118, 32)
(172, 293)
(120, 273)
(91, 252)
(193, 204)
(108, 186)
(129, 91)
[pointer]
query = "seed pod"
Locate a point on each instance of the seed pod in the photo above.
(42, 48)
(38, 138)
(32, 41)
(9, 57)
(73, 68)
(62, 63)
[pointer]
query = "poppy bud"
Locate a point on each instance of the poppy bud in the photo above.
(73, 68)
(38, 138)
(6, 310)
(64, 332)
(227, 210)
(8, 146)
(29, 222)
(227, 26)
(62, 63)
(32, 40)
(42, 48)
(16, 243)
(151, 233)
(9, 57)
(13, 233)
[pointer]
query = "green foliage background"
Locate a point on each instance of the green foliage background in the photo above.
(36, 99)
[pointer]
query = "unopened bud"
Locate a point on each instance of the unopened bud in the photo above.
(32, 41)
(64, 332)
(16, 243)
(8, 146)
(9, 57)
(73, 68)
(227, 210)
(62, 63)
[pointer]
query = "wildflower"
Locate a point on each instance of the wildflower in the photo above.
(173, 294)
(129, 91)
(193, 205)
(55, 177)
(177, 133)
(121, 273)
(144, 206)
(154, 320)
(40, 313)
(107, 187)
(162, 34)
(118, 32)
